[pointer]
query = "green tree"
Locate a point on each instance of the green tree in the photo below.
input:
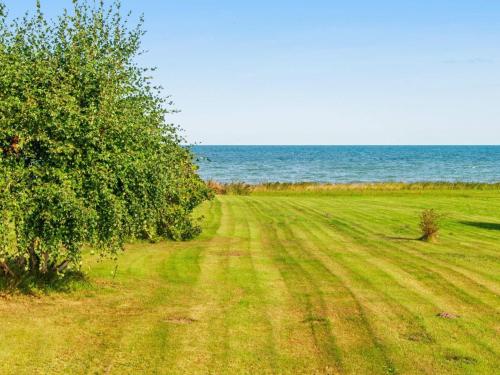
(87, 156)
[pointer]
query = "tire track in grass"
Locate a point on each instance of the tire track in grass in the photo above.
(362, 349)
(110, 349)
(457, 273)
(304, 290)
(218, 330)
(412, 263)
(463, 326)
(474, 237)
(473, 334)
(364, 233)
(442, 278)
(154, 340)
(293, 351)
(360, 234)
(225, 314)
(454, 211)
(180, 273)
(204, 340)
(357, 274)
(251, 344)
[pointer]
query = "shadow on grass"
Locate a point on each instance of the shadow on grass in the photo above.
(482, 225)
(31, 285)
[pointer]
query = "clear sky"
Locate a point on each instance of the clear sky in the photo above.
(325, 71)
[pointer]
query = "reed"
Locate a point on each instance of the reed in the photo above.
(241, 188)
(232, 188)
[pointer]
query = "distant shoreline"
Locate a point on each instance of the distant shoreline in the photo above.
(339, 145)
(242, 188)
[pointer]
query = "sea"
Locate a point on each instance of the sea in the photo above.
(348, 164)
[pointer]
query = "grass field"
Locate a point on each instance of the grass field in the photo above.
(291, 282)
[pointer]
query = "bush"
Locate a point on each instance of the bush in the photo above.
(238, 188)
(216, 187)
(234, 188)
(429, 225)
(86, 155)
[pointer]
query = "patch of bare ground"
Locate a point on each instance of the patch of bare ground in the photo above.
(461, 359)
(231, 253)
(180, 320)
(447, 315)
(315, 319)
(422, 337)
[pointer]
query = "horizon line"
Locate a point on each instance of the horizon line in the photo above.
(347, 145)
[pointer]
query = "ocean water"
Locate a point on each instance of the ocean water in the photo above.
(337, 164)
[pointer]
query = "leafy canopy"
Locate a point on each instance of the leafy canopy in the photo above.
(86, 155)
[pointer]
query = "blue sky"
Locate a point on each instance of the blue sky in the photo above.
(325, 72)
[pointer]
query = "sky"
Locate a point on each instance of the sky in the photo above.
(324, 71)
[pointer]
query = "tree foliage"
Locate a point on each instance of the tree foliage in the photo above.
(87, 156)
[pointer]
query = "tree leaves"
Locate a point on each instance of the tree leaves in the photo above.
(87, 156)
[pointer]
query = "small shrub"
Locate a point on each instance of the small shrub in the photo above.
(216, 187)
(429, 225)
(234, 188)
(238, 188)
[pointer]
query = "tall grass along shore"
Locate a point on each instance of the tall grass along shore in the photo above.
(242, 188)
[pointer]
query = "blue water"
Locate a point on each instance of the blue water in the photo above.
(255, 164)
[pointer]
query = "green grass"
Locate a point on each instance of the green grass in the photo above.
(285, 281)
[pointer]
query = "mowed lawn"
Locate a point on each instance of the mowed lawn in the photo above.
(292, 283)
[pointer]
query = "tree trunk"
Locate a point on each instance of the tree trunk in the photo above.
(62, 266)
(45, 263)
(6, 269)
(34, 258)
